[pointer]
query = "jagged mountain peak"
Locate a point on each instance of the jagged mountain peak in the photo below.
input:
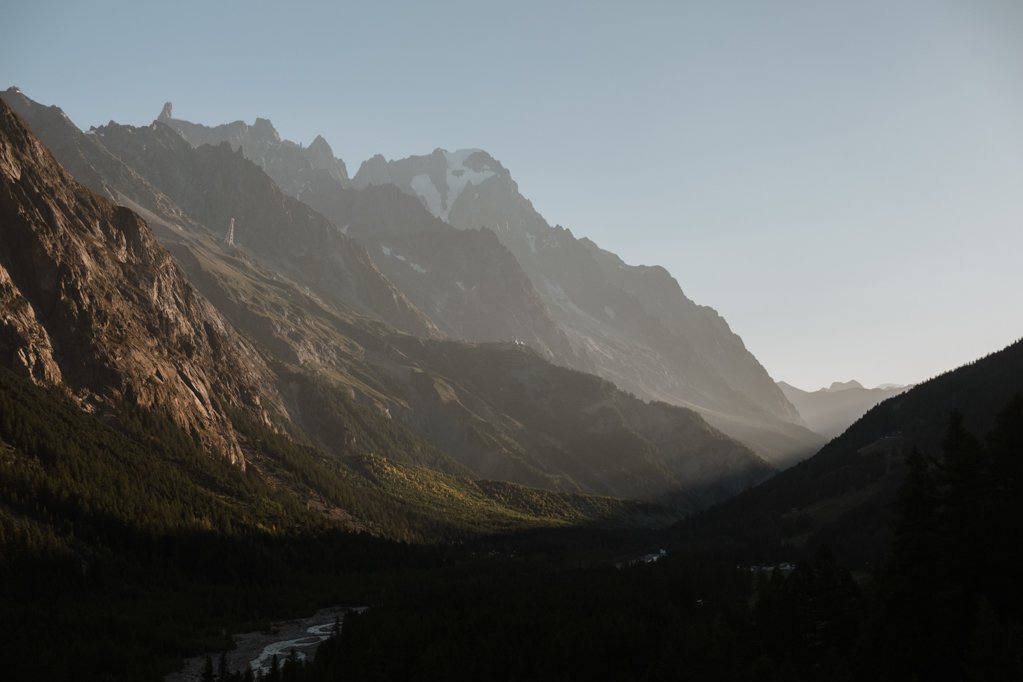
(216, 184)
(234, 132)
(320, 144)
(291, 165)
(439, 179)
(265, 127)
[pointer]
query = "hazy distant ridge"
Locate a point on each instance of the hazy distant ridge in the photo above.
(829, 411)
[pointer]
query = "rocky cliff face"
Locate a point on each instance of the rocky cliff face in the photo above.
(634, 322)
(91, 301)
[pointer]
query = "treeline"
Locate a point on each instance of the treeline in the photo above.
(947, 606)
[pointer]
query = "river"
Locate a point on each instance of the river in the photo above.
(256, 650)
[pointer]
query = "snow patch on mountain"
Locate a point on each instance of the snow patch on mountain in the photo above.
(458, 177)
(424, 188)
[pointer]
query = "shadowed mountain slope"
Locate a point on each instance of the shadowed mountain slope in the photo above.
(843, 495)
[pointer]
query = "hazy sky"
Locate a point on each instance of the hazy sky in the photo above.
(843, 181)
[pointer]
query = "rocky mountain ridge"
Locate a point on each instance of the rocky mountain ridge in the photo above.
(289, 164)
(469, 285)
(630, 324)
(634, 322)
(215, 185)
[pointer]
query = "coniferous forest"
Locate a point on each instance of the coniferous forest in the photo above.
(947, 606)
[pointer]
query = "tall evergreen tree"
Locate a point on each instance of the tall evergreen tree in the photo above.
(914, 549)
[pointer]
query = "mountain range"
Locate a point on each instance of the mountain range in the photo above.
(303, 293)
(577, 304)
(830, 411)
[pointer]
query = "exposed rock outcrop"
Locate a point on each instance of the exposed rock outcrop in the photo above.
(93, 302)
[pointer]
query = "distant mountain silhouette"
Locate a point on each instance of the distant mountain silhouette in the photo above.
(831, 410)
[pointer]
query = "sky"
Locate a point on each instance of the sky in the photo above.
(842, 181)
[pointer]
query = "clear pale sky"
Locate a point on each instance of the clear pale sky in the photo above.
(843, 181)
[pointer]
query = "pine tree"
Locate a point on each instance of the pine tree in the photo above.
(914, 549)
